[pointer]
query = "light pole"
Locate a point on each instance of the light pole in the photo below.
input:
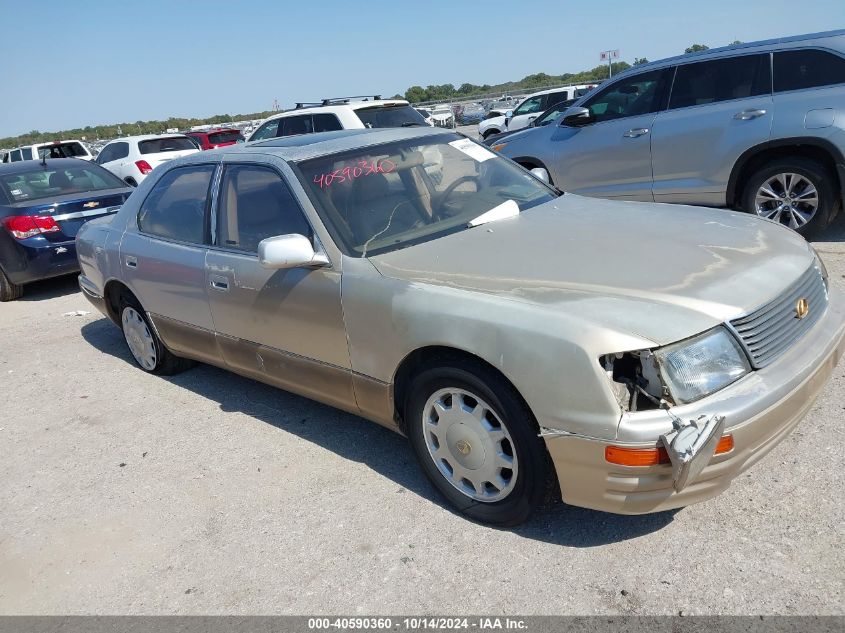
(609, 56)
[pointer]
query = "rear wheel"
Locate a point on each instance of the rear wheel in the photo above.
(476, 441)
(8, 290)
(796, 192)
(146, 347)
(489, 133)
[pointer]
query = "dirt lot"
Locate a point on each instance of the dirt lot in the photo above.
(209, 493)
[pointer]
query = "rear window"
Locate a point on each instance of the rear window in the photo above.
(390, 116)
(216, 138)
(62, 150)
(160, 145)
(45, 183)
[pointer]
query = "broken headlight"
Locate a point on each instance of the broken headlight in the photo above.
(702, 365)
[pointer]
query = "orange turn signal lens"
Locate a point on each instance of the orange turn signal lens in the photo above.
(725, 445)
(653, 456)
(498, 147)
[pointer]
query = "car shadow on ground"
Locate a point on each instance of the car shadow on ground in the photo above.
(382, 450)
(835, 232)
(50, 288)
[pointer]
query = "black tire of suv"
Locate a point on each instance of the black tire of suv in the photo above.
(813, 171)
(489, 133)
(167, 363)
(536, 483)
(8, 290)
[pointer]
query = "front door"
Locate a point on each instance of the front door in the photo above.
(284, 327)
(162, 258)
(610, 157)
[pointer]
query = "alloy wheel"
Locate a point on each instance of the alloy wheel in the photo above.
(788, 198)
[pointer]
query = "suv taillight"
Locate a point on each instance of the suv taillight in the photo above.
(24, 226)
(143, 166)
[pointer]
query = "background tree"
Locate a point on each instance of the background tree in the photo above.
(638, 61)
(695, 48)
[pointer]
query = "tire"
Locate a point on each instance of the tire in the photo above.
(8, 290)
(789, 182)
(489, 133)
(143, 342)
(505, 429)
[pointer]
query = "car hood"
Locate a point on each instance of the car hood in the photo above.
(661, 272)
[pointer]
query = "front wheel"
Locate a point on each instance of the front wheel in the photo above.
(795, 192)
(146, 347)
(488, 133)
(476, 441)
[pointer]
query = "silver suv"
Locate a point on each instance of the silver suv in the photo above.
(758, 127)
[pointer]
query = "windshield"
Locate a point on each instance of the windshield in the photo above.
(159, 145)
(62, 150)
(233, 136)
(390, 116)
(378, 199)
(45, 182)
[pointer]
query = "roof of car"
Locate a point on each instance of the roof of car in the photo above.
(717, 52)
(332, 107)
(24, 166)
(145, 137)
(306, 146)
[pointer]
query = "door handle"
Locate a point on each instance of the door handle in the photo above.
(131, 262)
(219, 283)
(747, 115)
(640, 131)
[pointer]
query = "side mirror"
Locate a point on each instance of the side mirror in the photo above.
(509, 114)
(541, 174)
(289, 251)
(576, 117)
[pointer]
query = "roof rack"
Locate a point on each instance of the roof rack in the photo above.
(335, 101)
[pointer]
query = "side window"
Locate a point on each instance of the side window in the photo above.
(121, 150)
(268, 130)
(105, 155)
(255, 203)
(721, 80)
(632, 96)
(553, 98)
(326, 123)
(797, 70)
(529, 106)
(26, 153)
(175, 208)
(293, 125)
(15, 155)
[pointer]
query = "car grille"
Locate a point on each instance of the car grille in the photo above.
(771, 330)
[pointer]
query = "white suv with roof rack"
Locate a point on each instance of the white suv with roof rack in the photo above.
(53, 149)
(340, 113)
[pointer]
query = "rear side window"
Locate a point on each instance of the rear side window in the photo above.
(175, 208)
(62, 150)
(390, 116)
(268, 130)
(721, 80)
(326, 122)
(293, 125)
(797, 70)
(26, 152)
(255, 204)
(161, 145)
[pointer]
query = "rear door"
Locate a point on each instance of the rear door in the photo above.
(282, 326)
(162, 259)
(611, 157)
(718, 109)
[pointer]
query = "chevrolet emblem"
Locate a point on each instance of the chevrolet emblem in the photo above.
(802, 308)
(89, 205)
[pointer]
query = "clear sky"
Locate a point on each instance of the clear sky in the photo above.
(71, 63)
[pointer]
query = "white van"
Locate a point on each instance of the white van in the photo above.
(54, 149)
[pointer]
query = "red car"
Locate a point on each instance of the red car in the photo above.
(212, 139)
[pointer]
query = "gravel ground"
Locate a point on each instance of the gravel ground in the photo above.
(208, 493)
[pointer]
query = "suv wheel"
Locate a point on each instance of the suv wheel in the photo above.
(8, 290)
(796, 192)
(489, 133)
(476, 441)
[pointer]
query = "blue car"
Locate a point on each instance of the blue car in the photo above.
(42, 205)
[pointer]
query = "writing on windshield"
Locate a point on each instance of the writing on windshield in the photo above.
(357, 170)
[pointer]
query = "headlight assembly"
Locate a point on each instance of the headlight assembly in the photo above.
(701, 365)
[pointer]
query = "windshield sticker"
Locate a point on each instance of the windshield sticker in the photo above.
(473, 150)
(350, 173)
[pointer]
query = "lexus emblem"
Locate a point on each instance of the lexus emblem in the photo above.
(802, 308)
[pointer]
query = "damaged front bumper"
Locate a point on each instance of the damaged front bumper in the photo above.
(757, 411)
